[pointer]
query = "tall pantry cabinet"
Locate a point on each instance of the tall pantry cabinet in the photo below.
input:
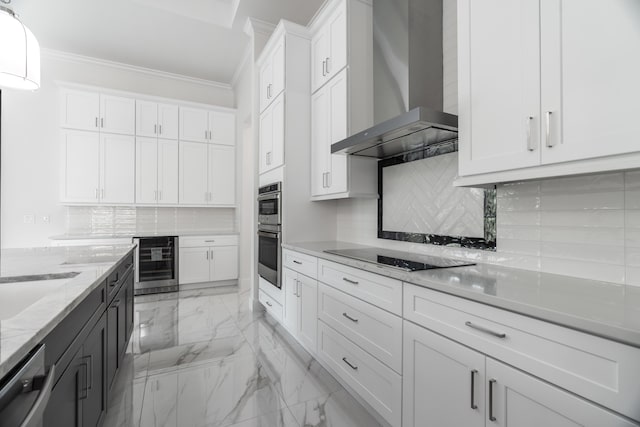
(342, 99)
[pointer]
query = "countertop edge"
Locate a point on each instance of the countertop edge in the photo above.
(602, 330)
(21, 352)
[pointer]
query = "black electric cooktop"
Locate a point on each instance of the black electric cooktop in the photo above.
(403, 260)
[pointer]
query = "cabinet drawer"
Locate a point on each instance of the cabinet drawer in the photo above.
(273, 307)
(601, 370)
(301, 263)
(199, 241)
(377, 384)
(378, 290)
(375, 330)
(118, 276)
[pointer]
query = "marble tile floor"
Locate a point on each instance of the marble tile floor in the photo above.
(201, 358)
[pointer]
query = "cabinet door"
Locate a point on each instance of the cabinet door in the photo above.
(223, 128)
(168, 121)
(167, 171)
(308, 312)
(524, 401)
(319, 138)
(121, 300)
(337, 31)
(193, 173)
(337, 177)
(291, 310)
(64, 407)
(499, 78)
(80, 166)
(117, 168)
(194, 265)
(276, 158)
(146, 119)
(112, 343)
(319, 53)
(277, 73)
(94, 351)
(194, 124)
(266, 74)
(222, 175)
(443, 381)
(224, 263)
(80, 110)
(129, 304)
(117, 115)
(590, 84)
(266, 140)
(146, 170)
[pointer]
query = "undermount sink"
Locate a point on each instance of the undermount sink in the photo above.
(20, 292)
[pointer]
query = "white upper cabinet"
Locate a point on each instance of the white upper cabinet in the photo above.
(544, 83)
(272, 75)
(79, 110)
(194, 164)
(84, 110)
(117, 115)
(222, 188)
(97, 168)
(342, 104)
(329, 48)
(156, 120)
(272, 136)
(168, 172)
(156, 171)
(200, 125)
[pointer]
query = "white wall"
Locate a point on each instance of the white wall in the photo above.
(30, 137)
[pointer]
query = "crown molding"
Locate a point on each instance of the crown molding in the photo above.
(254, 26)
(73, 57)
(246, 59)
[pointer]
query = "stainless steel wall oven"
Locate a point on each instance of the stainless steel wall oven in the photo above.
(269, 233)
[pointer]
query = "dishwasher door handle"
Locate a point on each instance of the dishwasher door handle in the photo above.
(34, 417)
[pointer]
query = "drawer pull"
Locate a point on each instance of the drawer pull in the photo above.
(473, 389)
(353, 282)
(210, 241)
(350, 318)
(491, 416)
(485, 330)
(355, 368)
(297, 262)
(268, 303)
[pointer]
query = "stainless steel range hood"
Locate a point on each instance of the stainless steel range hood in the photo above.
(408, 82)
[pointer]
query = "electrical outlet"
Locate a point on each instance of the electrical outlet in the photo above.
(46, 219)
(29, 219)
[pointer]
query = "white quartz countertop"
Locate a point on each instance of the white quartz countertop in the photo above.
(604, 309)
(90, 236)
(49, 301)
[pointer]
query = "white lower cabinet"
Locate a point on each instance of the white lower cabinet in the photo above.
(300, 315)
(207, 259)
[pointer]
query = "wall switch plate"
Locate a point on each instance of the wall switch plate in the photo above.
(46, 219)
(29, 219)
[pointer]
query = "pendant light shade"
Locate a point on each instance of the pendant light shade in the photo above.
(19, 53)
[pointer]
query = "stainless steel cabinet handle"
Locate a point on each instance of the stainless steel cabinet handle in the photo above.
(473, 389)
(485, 330)
(96, 122)
(160, 194)
(328, 179)
(207, 255)
(155, 195)
(205, 134)
(324, 67)
(297, 262)
(355, 368)
(37, 410)
(491, 416)
(327, 62)
(90, 370)
(530, 145)
(353, 282)
(102, 122)
(211, 254)
(268, 303)
(160, 129)
(155, 129)
(84, 391)
(350, 318)
(298, 288)
(548, 133)
(210, 241)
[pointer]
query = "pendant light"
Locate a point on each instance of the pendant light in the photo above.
(19, 52)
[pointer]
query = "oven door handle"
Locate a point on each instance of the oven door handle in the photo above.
(268, 196)
(272, 235)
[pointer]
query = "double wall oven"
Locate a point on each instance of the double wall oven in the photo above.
(269, 233)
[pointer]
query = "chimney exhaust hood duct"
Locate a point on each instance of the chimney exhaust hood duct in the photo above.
(408, 82)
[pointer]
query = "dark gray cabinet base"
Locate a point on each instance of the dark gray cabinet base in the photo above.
(88, 347)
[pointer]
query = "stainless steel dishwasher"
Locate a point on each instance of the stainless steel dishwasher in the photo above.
(25, 392)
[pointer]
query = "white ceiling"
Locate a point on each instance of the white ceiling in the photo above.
(196, 38)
